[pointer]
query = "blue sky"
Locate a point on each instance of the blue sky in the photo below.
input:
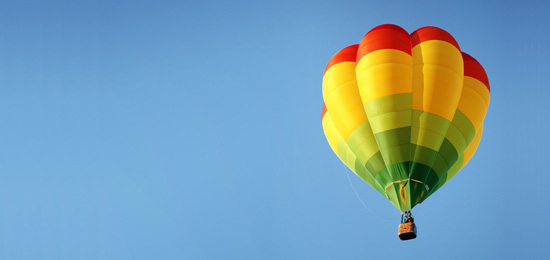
(192, 130)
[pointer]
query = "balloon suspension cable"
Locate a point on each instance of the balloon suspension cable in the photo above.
(358, 197)
(407, 216)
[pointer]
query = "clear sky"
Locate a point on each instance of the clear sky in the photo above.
(192, 130)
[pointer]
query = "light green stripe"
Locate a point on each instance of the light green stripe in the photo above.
(389, 104)
(430, 122)
(396, 154)
(361, 141)
(389, 121)
(465, 126)
(428, 129)
(456, 138)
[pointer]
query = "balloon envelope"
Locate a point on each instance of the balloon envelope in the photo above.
(404, 111)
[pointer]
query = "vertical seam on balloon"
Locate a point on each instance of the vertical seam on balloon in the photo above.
(437, 154)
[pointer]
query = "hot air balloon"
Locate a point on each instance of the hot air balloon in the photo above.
(404, 112)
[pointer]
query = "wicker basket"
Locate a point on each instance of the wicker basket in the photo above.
(407, 231)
